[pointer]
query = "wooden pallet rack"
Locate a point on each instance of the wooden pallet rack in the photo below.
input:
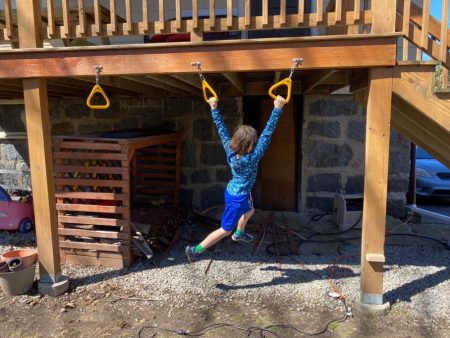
(98, 179)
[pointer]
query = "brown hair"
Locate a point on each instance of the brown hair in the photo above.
(243, 140)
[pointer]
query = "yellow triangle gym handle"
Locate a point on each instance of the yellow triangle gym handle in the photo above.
(206, 86)
(97, 89)
(285, 82)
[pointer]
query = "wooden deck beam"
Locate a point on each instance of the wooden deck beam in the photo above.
(219, 57)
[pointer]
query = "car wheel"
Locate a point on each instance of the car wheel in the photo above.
(25, 225)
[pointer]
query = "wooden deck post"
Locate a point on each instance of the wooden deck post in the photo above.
(383, 16)
(375, 186)
(40, 150)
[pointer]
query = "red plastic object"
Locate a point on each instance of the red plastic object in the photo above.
(15, 213)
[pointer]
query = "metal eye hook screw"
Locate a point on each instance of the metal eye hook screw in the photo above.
(98, 70)
(296, 62)
(198, 65)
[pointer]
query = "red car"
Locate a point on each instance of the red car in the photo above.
(16, 215)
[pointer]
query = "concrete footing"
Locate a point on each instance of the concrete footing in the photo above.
(373, 309)
(54, 289)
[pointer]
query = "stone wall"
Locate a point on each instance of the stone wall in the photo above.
(204, 168)
(333, 154)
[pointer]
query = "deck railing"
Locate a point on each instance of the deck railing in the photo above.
(72, 19)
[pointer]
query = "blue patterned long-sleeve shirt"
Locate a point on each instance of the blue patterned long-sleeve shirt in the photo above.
(245, 168)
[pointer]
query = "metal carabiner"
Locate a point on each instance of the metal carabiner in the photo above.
(205, 84)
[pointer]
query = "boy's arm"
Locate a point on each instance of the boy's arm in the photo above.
(266, 135)
(221, 128)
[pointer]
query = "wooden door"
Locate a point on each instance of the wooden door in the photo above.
(276, 181)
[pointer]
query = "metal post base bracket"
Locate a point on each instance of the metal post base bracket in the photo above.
(372, 304)
(54, 289)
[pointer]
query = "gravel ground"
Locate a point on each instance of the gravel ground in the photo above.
(416, 279)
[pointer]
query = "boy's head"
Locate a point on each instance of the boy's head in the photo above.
(243, 140)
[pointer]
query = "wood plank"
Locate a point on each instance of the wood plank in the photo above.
(444, 37)
(90, 145)
(108, 196)
(212, 14)
(92, 246)
(338, 10)
(265, 13)
(216, 57)
(90, 170)
(383, 16)
(113, 17)
(413, 84)
(282, 13)
(145, 18)
(319, 10)
(175, 83)
(425, 23)
(92, 182)
(178, 14)
(375, 182)
(316, 79)
(301, 12)
(9, 19)
(153, 83)
(90, 208)
(97, 17)
(357, 11)
(406, 18)
(82, 17)
(129, 16)
(162, 16)
(89, 156)
(82, 258)
(378, 258)
(157, 167)
(229, 13)
(194, 14)
(66, 18)
(93, 221)
(92, 233)
(247, 13)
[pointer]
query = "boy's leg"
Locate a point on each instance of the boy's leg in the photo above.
(244, 219)
(240, 235)
(214, 237)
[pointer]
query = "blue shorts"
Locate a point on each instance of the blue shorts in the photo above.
(235, 207)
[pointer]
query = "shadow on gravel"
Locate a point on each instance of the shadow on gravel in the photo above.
(408, 290)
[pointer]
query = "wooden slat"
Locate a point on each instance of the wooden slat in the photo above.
(66, 17)
(319, 7)
(162, 16)
(93, 221)
(282, 13)
(90, 145)
(154, 150)
(157, 167)
(195, 14)
(383, 16)
(50, 17)
(265, 12)
(178, 14)
(247, 13)
(425, 23)
(92, 246)
(97, 17)
(95, 258)
(156, 159)
(357, 10)
(90, 169)
(212, 14)
(90, 208)
(301, 12)
(129, 16)
(406, 18)
(89, 156)
(113, 17)
(88, 182)
(9, 19)
(82, 17)
(105, 196)
(338, 10)
(92, 233)
(444, 36)
(145, 18)
(229, 13)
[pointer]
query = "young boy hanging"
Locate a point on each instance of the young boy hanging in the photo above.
(244, 151)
